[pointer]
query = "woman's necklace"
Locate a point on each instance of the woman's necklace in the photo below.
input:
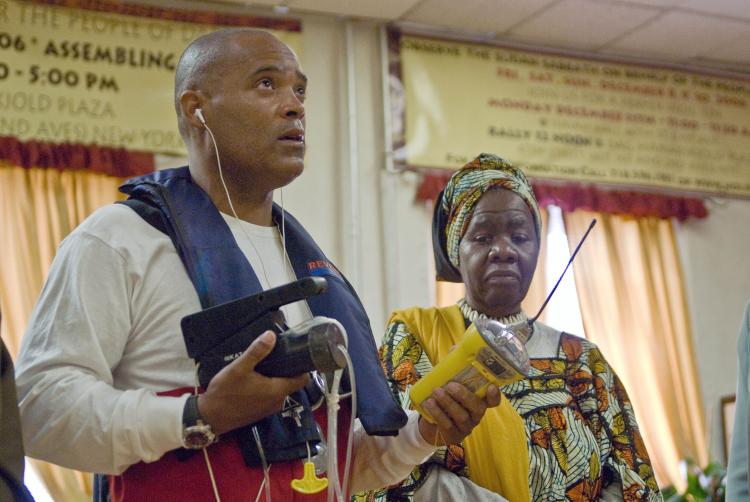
(472, 316)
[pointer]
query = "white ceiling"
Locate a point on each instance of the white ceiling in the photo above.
(700, 34)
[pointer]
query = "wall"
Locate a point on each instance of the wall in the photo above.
(367, 221)
(717, 277)
(394, 268)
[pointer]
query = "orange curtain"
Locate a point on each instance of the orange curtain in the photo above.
(448, 293)
(38, 208)
(633, 305)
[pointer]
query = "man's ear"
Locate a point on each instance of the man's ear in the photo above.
(190, 101)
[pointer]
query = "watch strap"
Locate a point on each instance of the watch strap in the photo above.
(196, 434)
(190, 413)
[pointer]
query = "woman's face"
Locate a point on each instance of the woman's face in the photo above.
(498, 253)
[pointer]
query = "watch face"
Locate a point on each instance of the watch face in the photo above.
(197, 437)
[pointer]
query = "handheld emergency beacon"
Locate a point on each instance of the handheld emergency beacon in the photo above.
(490, 352)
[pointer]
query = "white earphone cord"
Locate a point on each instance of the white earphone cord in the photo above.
(231, 205)
(211, 476)
(283, 231)
(266, 484)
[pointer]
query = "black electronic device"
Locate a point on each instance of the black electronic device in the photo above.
(216, 336)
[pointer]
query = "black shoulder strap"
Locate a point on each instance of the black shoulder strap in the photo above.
(148, 212)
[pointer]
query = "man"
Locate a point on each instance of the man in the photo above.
(104, 379)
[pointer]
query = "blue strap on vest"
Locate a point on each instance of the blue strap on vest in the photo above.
(378, 411)
(221, 273)
(203, 239)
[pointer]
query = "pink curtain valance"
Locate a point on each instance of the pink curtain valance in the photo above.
(111, 161)
(572, 196)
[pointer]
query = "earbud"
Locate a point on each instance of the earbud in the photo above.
(199, 113)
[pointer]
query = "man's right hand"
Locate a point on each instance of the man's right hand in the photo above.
(238, 395)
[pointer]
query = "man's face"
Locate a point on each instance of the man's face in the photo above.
(498, 253)
(257, 112)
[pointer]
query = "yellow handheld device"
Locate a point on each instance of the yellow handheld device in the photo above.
(490, 352)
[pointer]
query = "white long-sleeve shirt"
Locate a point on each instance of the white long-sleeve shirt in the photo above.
(105, 338)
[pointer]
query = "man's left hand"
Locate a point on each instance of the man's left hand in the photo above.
(456, 411)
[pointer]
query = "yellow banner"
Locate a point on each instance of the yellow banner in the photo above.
(95, 77)
(571, 119)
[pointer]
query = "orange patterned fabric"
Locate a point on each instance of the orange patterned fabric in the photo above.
(581, 429)
(581, 426)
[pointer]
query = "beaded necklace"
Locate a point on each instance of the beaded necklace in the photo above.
(472, 315)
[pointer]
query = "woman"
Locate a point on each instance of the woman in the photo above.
(568, 431)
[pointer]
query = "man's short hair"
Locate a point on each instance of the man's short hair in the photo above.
(202, 60)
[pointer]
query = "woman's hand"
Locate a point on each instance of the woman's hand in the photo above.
(456, 411)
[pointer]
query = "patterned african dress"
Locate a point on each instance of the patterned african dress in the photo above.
(581, 429)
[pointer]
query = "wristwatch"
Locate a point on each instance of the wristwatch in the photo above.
(196, 434)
